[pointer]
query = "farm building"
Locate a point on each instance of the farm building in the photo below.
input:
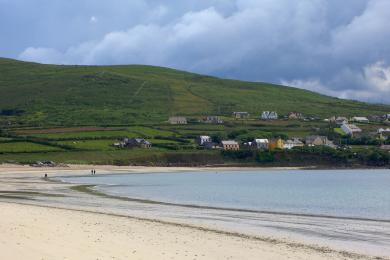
(177, 120)
(360, 119)
(241, 115)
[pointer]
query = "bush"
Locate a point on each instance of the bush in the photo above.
(364, 140)
(265, 157)
(218, 137)
(241, 154)
(235, 133)
(377, 158)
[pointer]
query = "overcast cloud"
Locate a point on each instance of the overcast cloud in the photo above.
(340, 48)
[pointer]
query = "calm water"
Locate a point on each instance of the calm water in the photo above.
(352, 193)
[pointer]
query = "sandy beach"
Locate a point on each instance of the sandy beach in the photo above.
(47, 220)
(30, 232)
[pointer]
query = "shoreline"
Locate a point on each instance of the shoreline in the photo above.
(6, 167)
(49, 195)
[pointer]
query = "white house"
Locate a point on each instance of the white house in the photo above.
(350, 129)
(384, 133)
(203, 139)
(290, 144)
(360, 119)
(383, 130)
(262, 144)
(269, 115)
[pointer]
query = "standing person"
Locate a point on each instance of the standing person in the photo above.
(91, 172)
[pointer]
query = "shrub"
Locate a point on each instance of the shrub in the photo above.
(265, 157)
(241, 154)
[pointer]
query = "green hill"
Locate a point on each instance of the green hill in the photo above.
(44, 95)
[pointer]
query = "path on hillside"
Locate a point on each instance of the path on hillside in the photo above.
(139, 89)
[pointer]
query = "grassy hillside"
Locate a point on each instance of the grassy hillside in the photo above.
(49, 95)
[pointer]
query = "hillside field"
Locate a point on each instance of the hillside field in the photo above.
(52, 95)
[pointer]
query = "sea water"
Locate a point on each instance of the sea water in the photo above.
(337, 193)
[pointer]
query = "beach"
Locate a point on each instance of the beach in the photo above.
(30, 232)
(41, 219)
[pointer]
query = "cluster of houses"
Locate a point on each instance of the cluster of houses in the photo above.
(349, 126)
(273, 115)
(359, 119)
(181, 120)
(133, 143)
(265, 144)
(383, 118)
(265, 115)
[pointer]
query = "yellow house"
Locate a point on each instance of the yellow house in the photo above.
(277, 143)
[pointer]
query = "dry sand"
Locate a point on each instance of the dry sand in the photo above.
(33, 232)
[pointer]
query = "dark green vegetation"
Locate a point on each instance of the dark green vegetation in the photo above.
(73, 114)
(50, 95)
(175, 145)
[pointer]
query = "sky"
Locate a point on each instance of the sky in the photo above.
(338, 48)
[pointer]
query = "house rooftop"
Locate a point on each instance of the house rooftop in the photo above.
(352, 127)
(261, 141)
(229, 142)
